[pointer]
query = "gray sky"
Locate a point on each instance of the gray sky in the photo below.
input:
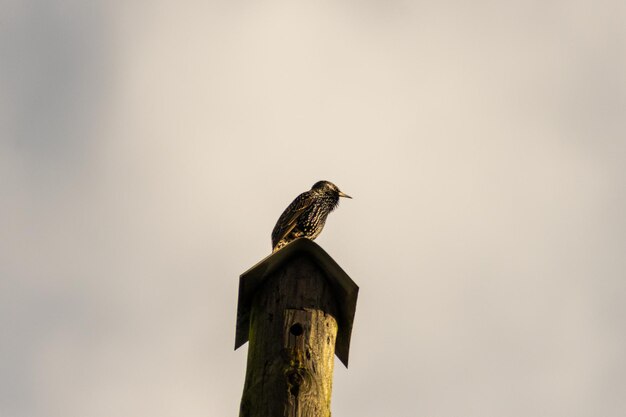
(147, 148)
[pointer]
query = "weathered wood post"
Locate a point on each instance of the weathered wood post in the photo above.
(296, 307)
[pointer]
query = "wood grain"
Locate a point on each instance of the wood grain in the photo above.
(292, 344)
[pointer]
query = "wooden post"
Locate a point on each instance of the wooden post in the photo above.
(295, 307)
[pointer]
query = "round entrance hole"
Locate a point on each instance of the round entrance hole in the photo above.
(296, 329)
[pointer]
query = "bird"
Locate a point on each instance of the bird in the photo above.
(306, 215)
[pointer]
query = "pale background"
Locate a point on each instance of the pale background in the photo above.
(148, 147)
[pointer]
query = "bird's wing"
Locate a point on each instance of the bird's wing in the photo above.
(289, 219)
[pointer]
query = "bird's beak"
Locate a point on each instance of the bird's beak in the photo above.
(341, 194)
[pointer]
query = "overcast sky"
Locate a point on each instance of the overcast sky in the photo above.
(148, 147)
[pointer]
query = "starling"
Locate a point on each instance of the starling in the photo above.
(306, 215)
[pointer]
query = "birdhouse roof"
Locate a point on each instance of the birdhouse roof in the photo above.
(344, 289)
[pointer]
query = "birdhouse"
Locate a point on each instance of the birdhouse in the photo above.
(302, 276)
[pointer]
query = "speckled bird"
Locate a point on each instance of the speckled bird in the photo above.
(306, 215)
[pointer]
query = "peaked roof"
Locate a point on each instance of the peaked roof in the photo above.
(345, 290)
